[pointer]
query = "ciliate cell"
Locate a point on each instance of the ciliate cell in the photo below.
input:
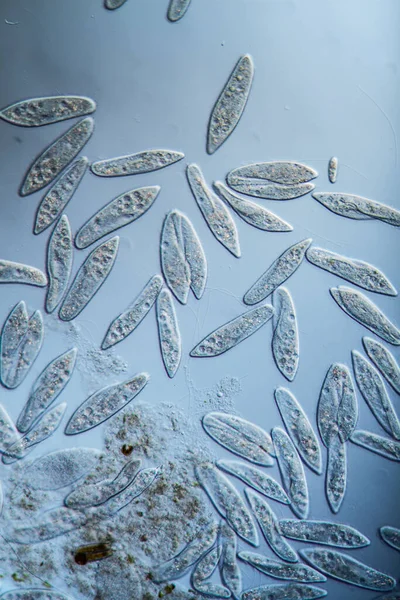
(168, 332)
(59, 263)
(336, 473)
(203, 570)
(8, 432)
(383, 446)
(284, 591)
(282, 570)
(177, 9)
(231, 103)
(269, 191)
(57, 156)
(357, 207)
(384, 360)
(333, 169)
(391, 535)
(255, 478)
(323, 532)
(228, 567)
(12, 272)
(35, 112)
(139, 484)
(285, 339)
(134, 164)
(282, 172)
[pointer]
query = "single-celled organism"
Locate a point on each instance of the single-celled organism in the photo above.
(133, 164)
(323, 532)
(168, 332)
(12, 272)
(337, 406)
(59, 262)
(282, 172)
(227, 501)
(204, 570)
(391, 535)
(336, 473)
(231, 103)
(117, 578)
(357, 207)
(8, 432)
(61, 468)
(376, 443)
(94, 494)
(43, 429)
(250, 212)
(280, 270)
(48, 525)
(269, 526)
(135, 488)
(179, 565)
(177, 9)
(183, 261)
(92, 553)
(228, 567)
(49, 109)
(90, 277)
(268, 191)
(47, 388)
(292, 472)
(375, 395)
(34, 594)
(113, 4)
(255, 478)
(356, 271)
(60, 193)
(214, 211)
(285, 339)
(121, 211)
(240, 437)
(232, 333)
(127, 321)
(104, 403)
(345, 568)
(281, 570)
(21, 341)
(57, 156)
(333, 169)
(299, 429)
(284, 591)
(385, 361)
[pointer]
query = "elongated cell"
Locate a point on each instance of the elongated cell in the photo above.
(34, 594)
(104, 403)
(127, 321)
(168, 332)
(183, 260)
(255, 478)
(121, 211)
(268, 191)
(12, 272)
(299, 429)
(384, 361)
(356, 271)
(20, 346)
(285, 339)
(333, 169)
(90, 277)
(48, 525)
(94, 494)
(323, 532)
(391, 536)
(281, 570)
(214, 211)
(228, 567)
(385, 447)
(35, 112)
(336, 473)
(203, 570)
(252, 213)
(59, 195)
(57, 156)
(134, 164)
(177, 9)
(231, 103)
(282, 172)
(375, 395)
(240, 437)
(284, 591)
(269, 526)
(61, 468)
(227, 501)
(280, 270)
(47, 388)
(292, 472)
(113, 4)
(337, 406)
(357, 207)
(59, 262)
(179, 565)
(43, 429)
(8, 432)
(139, 484)
(345, 568)
(232, 333)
